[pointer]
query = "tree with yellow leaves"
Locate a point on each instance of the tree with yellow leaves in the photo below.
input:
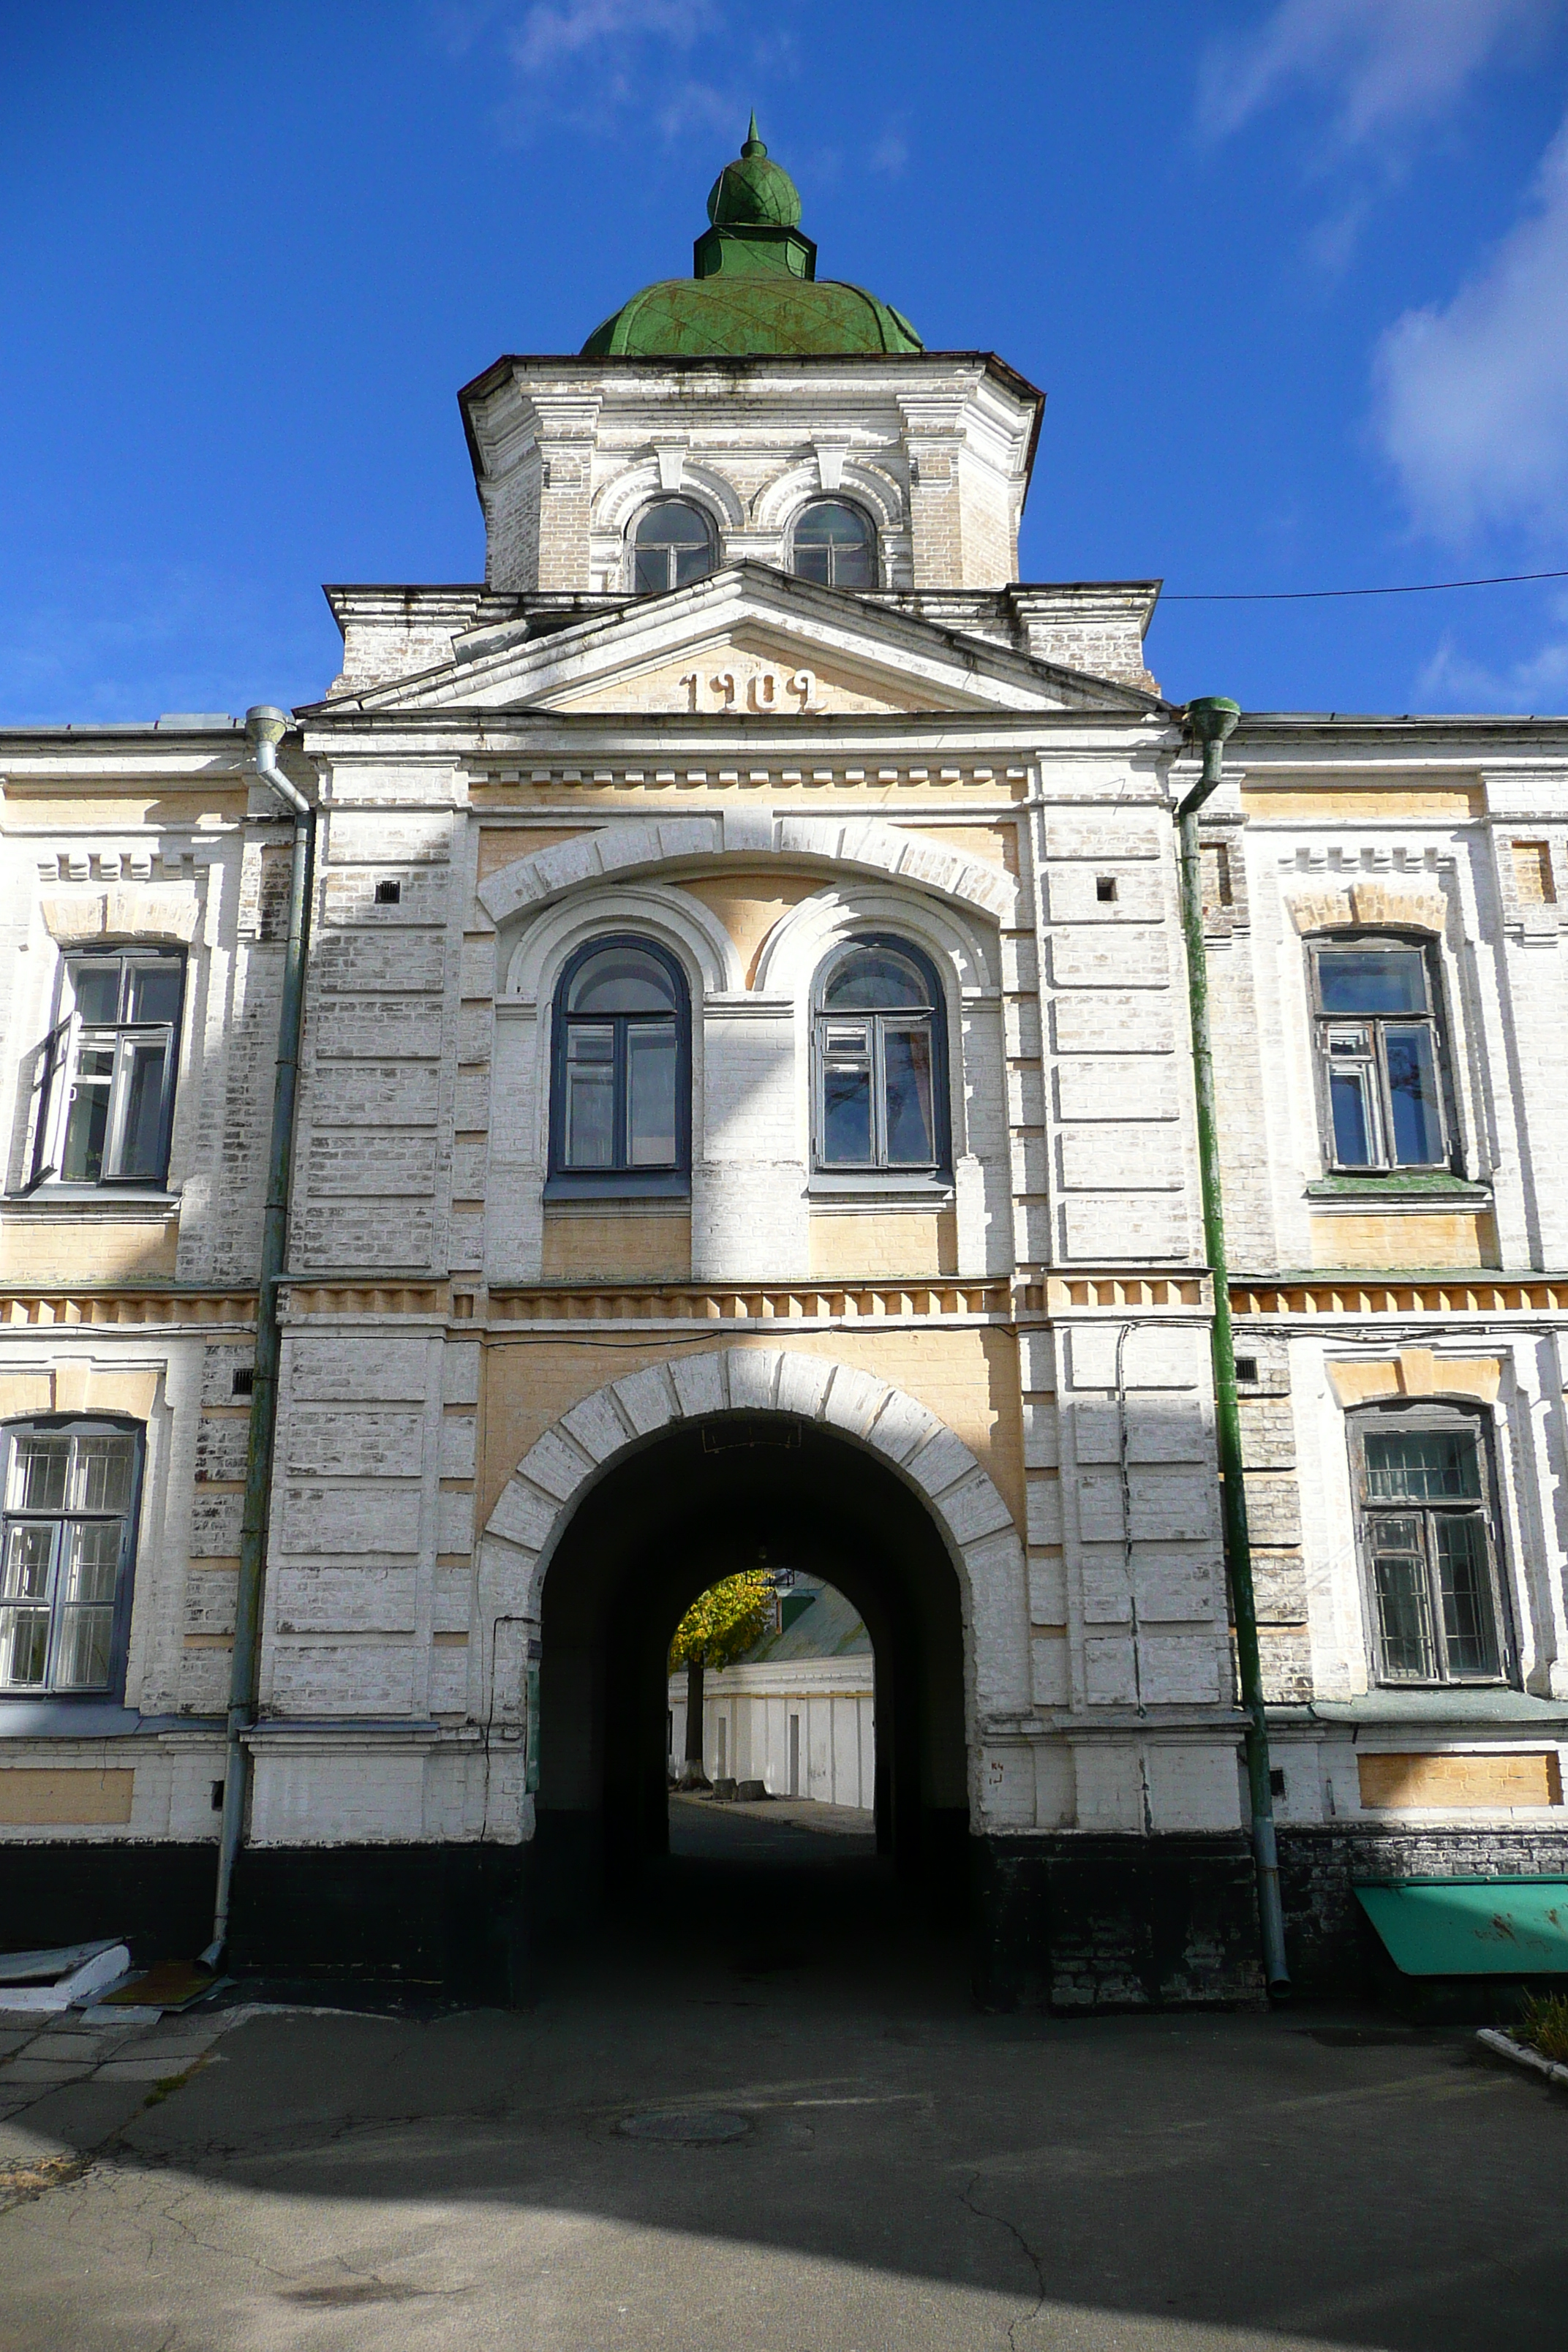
(720, 1624)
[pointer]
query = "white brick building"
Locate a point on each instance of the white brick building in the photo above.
(746, 1073)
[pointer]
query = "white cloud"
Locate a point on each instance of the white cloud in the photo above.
(697, 106)
(551, 36)
(1386, 63)
(1472, 399)
(890, 156)
(1536, 685)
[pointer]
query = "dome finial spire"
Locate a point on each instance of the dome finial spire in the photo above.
(754, 192)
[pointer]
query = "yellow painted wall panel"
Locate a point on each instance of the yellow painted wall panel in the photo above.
(83, 1250)
(104, 809)
(1413, 801)
(44, 1799)
(1449, 1782)
(1399, 1238)
(502, 845)
(895, 1243)
(749, 905)
(610, 1244)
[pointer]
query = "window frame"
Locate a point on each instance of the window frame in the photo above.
(1418, 1417)
(693, 506)
(61, 1058)
(1383, 1167)
(565, 1183)
(874, 542)
(881, 1175)
(76, 1424)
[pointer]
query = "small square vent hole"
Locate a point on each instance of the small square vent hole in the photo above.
(389, 894)
(1105, 889)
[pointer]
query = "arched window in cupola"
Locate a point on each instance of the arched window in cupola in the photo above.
(671, 546)
(835, 545)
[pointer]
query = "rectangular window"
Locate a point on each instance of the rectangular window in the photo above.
(110, 1070)
(1378, 1053)
(651, 1094)
(877, 1107)
(64, 1565)
(1425, 1531)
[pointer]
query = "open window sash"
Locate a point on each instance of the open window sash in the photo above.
(54, 1059)
(108, 1101)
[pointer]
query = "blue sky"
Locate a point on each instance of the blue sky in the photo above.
(1294, 274)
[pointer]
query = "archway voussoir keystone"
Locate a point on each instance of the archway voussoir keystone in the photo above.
(902, 1427)
(568, 862)
(855, 1400)
(937, 867)
(648, 1400)
(559, 1467)
(524, 1515)
(809, 837)
(942, 1463)
(700, 1385)
(754, 1378)
(974, 1509)
(596, 1426)
(802, 1385)
(688, 837)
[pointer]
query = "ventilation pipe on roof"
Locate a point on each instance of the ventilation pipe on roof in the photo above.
(1209, 722)
(266, 728)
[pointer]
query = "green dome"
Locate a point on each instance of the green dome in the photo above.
(743, 317)
(753, 290)
(754, 193)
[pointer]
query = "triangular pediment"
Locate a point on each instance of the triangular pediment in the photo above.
(746, 641)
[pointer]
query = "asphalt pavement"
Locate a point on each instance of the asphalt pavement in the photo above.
(758, 2113)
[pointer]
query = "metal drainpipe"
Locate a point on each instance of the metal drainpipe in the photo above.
(1210, 720)
(266, 728)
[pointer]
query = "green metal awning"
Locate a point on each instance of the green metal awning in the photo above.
(1470, 1927)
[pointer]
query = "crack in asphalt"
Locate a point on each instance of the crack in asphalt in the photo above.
(1035, 2261)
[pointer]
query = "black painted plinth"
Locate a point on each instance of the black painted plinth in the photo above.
(1084, 1923)
(448, 1918)
(436, 1917)
(158, 1898)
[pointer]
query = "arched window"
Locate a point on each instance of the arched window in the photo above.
(1380, 1053)
(1424, 1503)
(621, 1100)
(672, 546)
(880, 1050)
(835, 545)
(65, 1571)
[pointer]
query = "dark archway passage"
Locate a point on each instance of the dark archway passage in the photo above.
(694, 1506)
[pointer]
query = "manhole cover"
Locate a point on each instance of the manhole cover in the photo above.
(688, 2127)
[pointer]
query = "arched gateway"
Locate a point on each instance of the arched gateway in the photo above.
(683, 1471)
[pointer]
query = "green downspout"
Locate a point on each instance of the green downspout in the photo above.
(266, 728)
(1209, 721)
